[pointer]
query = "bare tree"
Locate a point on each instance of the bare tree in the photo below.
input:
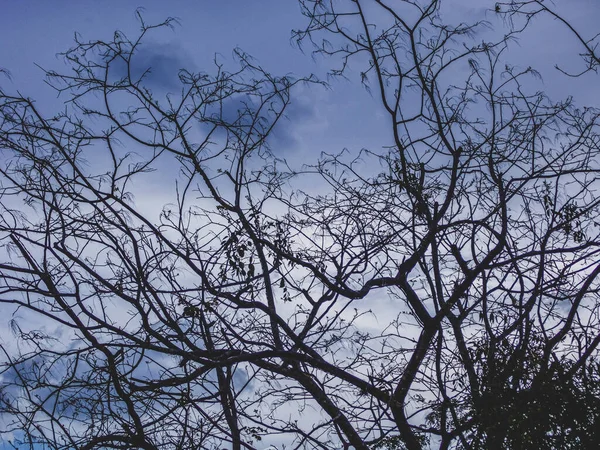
(234, 317)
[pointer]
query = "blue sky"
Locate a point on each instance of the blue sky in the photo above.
(34, 32)
(319, 119)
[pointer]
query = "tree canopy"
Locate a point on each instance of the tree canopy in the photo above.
(440, 292)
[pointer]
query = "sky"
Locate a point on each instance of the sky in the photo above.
(33, 32)
(40, 30)
(344, 116)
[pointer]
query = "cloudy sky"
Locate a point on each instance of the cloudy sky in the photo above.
(34, 32)
(38, 31)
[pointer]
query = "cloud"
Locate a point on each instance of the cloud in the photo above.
(161, 64)
(285, 136)
(285, 133)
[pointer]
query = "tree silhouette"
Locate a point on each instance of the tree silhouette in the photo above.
(237, 314)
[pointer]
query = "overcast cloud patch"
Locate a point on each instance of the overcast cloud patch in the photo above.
(159, 64)
(284, 136)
